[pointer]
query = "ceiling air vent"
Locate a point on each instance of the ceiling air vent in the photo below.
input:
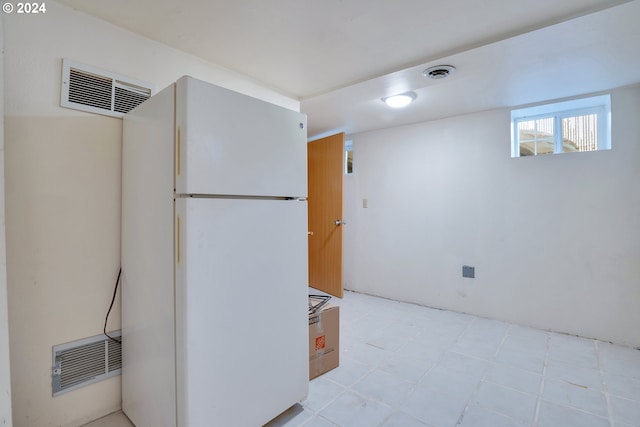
(88, 89)
(85, 362)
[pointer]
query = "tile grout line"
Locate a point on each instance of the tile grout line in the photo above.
(483, 379)
(440, 359)
(605, 387)
(415, 385)
(365, 397)
(493, 359)
(337, 396)
(536, 415)
(504, 338)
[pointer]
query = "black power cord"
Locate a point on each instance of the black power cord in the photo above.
(115, 290)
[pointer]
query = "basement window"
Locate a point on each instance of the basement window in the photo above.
(563, 127)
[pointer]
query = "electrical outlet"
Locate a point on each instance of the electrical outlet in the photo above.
(468, 271)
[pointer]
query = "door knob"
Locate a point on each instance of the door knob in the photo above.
(338, 222)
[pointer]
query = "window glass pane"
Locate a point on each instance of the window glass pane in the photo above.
(536, 137)
(580, 133)
(349, 164)
(348, 158)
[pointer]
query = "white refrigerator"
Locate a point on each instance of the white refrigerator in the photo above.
(214, 259)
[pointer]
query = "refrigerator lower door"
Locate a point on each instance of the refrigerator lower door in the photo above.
(241, 315)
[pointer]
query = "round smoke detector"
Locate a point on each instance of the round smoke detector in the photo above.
(439, 71)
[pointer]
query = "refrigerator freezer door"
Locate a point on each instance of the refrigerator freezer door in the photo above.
(241, 310)
(232, 144)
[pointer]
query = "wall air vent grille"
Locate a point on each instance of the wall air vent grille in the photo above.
(89, 89)
(127, 96)
(85, 362)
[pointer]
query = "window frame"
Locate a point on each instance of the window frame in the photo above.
(599, 105)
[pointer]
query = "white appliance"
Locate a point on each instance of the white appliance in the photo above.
(214, 259)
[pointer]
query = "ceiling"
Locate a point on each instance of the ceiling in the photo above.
(339, 57)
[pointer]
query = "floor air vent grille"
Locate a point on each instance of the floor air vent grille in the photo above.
(88, 89)
(85, 362)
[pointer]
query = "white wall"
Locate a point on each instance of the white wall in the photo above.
(5, 378)
(63, 198)
(554, 239)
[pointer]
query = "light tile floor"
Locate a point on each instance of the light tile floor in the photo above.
(405, 365)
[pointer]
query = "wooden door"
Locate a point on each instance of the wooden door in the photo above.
(326, 164)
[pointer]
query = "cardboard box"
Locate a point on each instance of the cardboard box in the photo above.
(324, 341)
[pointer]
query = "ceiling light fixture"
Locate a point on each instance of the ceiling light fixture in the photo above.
(400, 100)
(439, 71)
